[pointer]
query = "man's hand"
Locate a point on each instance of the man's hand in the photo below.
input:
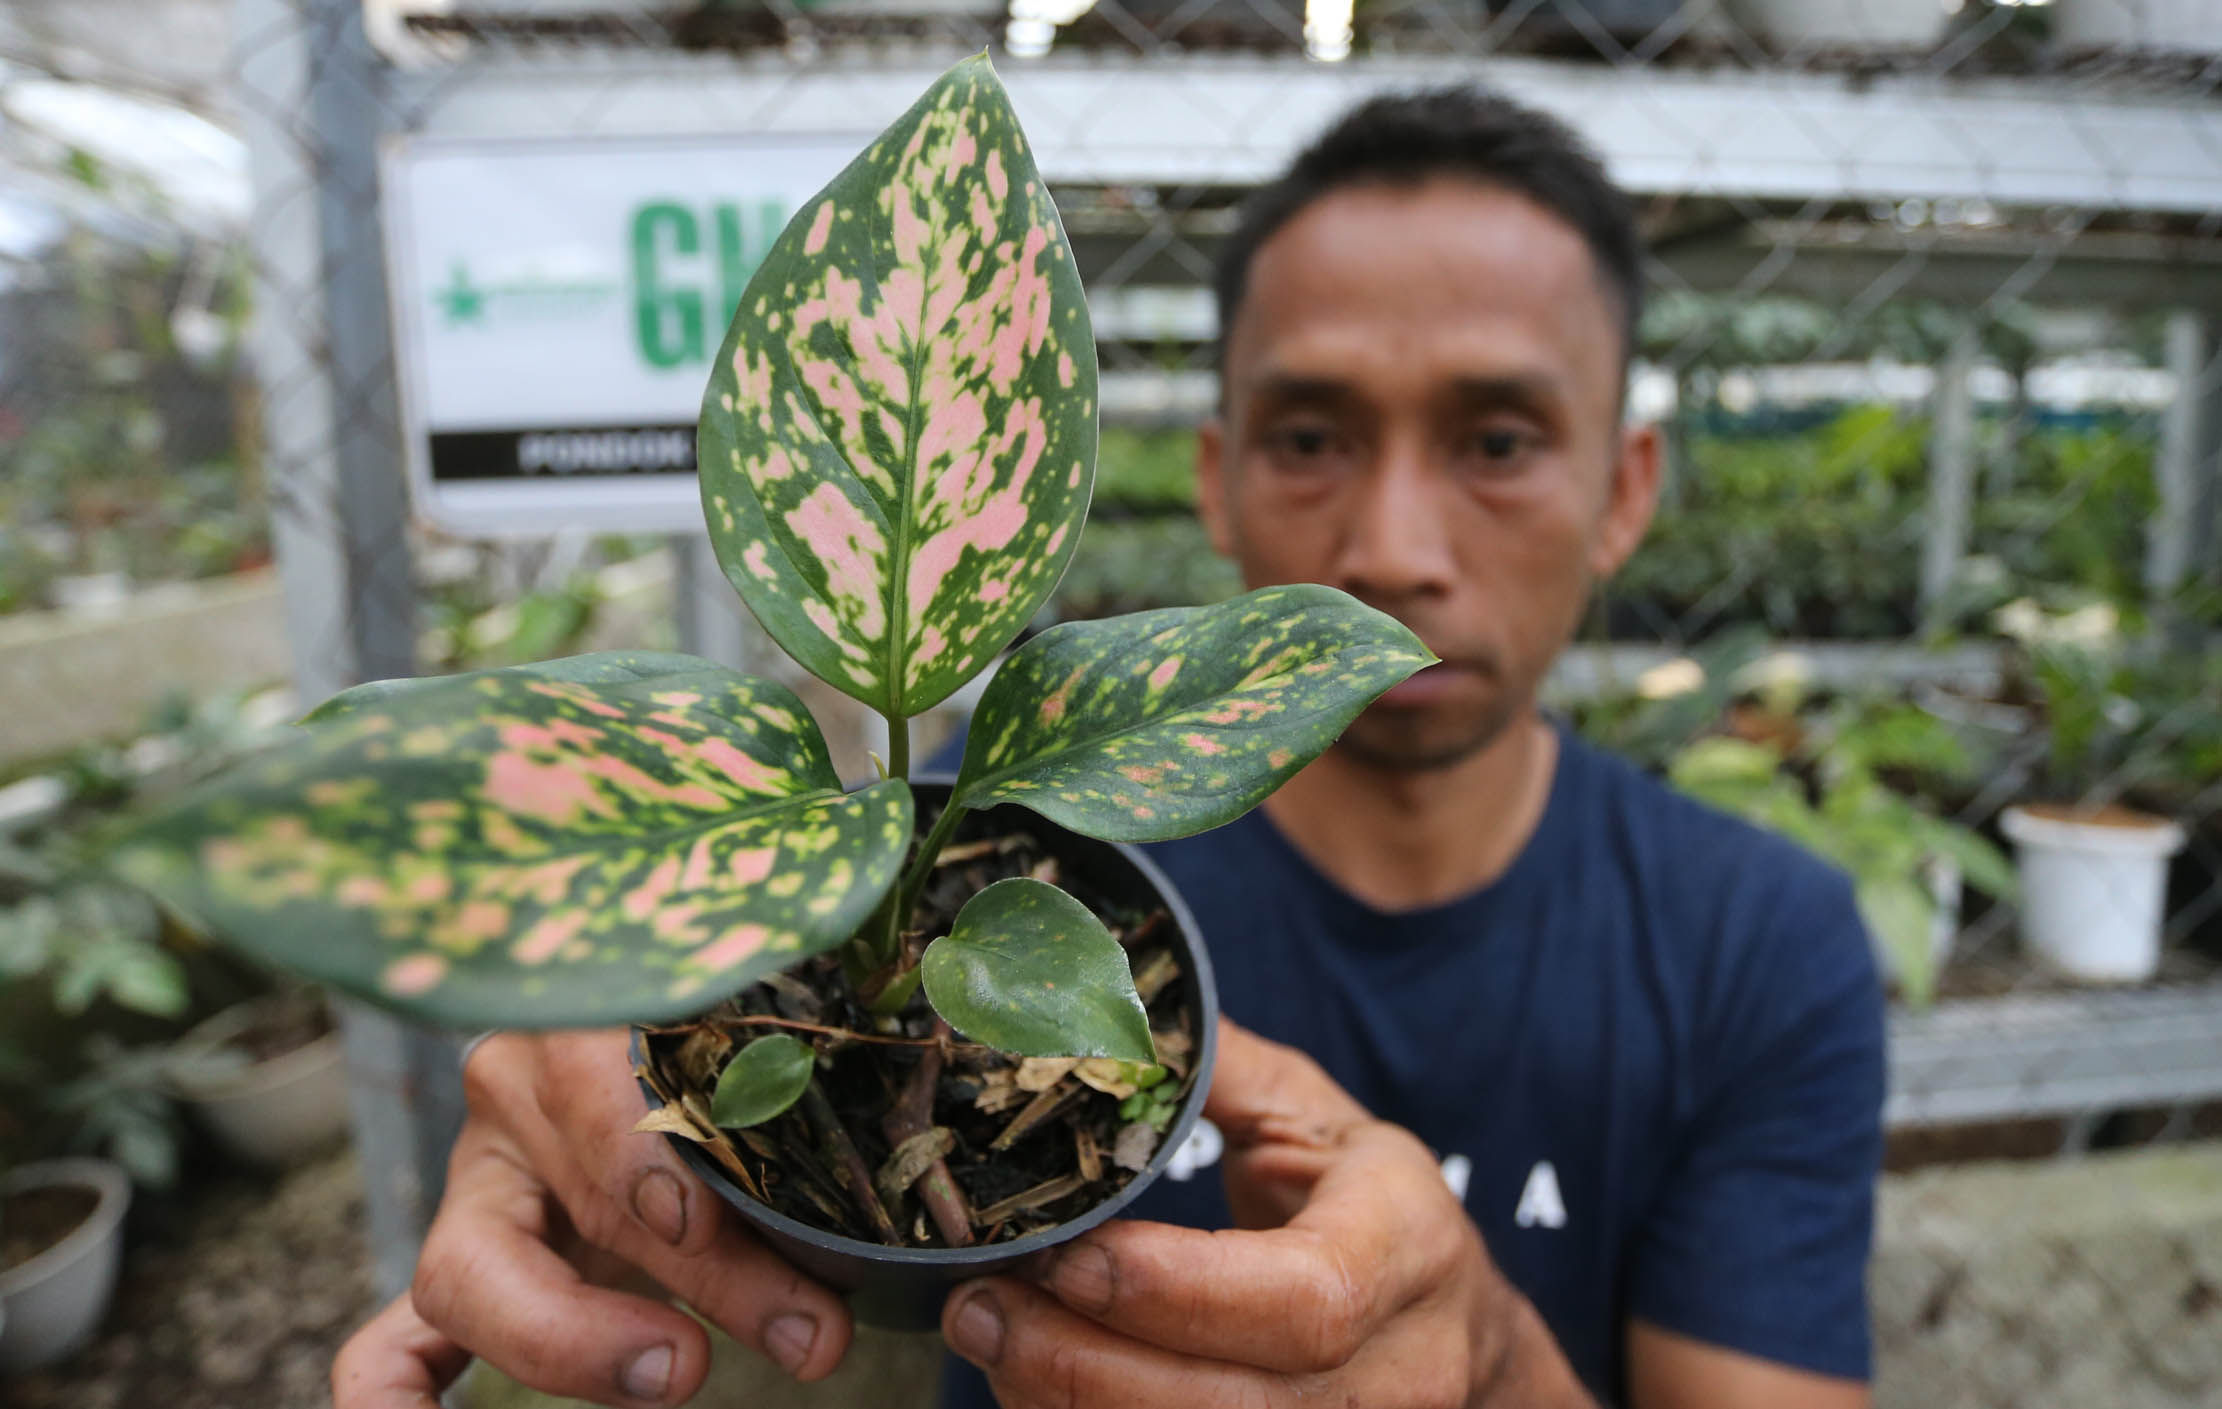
(550, 1201)
(1356, 1279)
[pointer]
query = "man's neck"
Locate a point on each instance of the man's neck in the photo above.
(1404, 841)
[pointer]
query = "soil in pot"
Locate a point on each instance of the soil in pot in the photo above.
(2112, 814)
(912, 1114)
(37, 1219)
(280, 1027)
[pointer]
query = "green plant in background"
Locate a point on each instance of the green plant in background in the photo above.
(897, 451)
(1826, 793)
(2118, 716)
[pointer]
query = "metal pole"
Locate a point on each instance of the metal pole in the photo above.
(2176, 466)
(308, 88)
(1951, 470)
(712, 621)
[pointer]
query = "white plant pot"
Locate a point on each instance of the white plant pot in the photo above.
(2177, 26)
(275, 1112)
(2092, 892)
(51, 1305)
(1793, 26)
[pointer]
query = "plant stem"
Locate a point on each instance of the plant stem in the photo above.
(821, 1030)
(913, 1114)
(858, 1175)
(898, 746)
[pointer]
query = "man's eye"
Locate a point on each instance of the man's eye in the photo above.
(1305, 442)
(1498, 446)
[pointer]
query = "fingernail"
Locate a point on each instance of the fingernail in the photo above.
(649, 1375)
(788, 1339)
(976, 1332)
(661, 1205)
(1081, 1277)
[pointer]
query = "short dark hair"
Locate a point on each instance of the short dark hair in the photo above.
(1405, 139)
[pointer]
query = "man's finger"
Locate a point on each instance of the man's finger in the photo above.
(1303, 1298)
(617, 1188)
(487, 1279)
(585, 1083)
(396, 1361)
(1038, 1353)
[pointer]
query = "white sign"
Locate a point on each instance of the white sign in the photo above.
(556, 307)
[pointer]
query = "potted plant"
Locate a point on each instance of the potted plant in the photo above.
(896, 450)
(61, 1241)
(67, 940)
(2095, 869)
(266, 1077)
(1822, 784)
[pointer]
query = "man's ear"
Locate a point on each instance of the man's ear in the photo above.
(1211, 485)
(1630, 500)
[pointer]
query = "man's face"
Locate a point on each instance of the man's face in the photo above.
(1422, 393)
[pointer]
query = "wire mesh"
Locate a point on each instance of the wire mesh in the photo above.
(1933, 342)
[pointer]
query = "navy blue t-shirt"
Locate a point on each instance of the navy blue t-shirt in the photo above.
(1651, 1052)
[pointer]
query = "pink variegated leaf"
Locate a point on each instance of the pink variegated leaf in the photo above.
(898, 440)
(1163, 724)
(608, 839)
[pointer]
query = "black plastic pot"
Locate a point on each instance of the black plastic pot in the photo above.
(902, 1289)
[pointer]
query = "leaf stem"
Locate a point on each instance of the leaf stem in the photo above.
(886, 923)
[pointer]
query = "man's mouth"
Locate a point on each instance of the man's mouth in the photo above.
(1442, 681)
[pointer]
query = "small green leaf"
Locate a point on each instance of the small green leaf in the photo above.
(1167, 723)
(621, 838)
(899, 436)
(763, 1079)
(1902, 914)
(1027, 969)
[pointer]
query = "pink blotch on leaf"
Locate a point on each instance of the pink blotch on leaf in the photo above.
(363, 891)
(481, 919)
(999, 183)
(731, 948)
(850, 548)
(640, 902)
(1144, 813)
(1204, 744)
(547, 937)
(551, 792)
(1138, 773)
(418, 973)
(1064, 370)
(752, 558)
(1166, 670)
(430, 888)
(1280, 758)
(995, 589)
(745, 771)
(751, 864)
(1056, 540)
(697, 873)
(821, 225)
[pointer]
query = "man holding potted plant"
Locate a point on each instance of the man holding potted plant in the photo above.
(1590, 1109)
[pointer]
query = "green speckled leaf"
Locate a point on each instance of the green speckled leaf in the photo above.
(1027, 969)
(763, 1079)
(898, 440)
(1163, 724)
(598, 668)
(518, 848)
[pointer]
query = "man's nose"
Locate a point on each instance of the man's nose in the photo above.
(1397, 540)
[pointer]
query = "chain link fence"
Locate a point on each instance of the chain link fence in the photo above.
(1933, 340)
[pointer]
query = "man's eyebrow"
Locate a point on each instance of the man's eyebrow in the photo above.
(1286, 387)
(1529, 391)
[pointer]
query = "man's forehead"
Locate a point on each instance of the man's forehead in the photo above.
(1477, 276)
